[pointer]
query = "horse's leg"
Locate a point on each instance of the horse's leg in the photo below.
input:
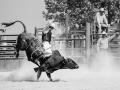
(49, 76)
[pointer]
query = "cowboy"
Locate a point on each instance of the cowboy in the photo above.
(101, 21)
(103, 41)
(46, 39)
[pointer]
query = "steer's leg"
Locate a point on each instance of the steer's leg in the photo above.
(39, 74)
(49, 76)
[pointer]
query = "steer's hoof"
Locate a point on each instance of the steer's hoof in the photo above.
(51, 80)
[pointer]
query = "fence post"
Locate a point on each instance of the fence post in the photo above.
(36, 32)
(87, 41)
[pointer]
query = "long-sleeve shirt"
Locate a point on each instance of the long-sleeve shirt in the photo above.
(47, 47)
(103, 43)
(100, 19)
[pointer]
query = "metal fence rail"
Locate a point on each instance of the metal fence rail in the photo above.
(7, 47)
(73, 46)
(8, 61)
(77, 39)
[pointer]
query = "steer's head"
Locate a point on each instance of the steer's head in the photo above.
(70, 64)
(21, 43)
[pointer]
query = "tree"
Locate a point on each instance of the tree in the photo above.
(77, 12)
(112, 7)
(55, 10)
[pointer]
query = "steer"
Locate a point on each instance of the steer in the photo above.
(55, 63)
(35, 53)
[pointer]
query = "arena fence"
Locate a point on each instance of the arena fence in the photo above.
(73, 46)
(8, 60)
(114, 43)
(81, 41)
(76, 39)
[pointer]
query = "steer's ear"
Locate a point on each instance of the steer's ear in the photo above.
(36, 69)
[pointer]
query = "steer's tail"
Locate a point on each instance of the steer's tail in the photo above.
(11, 23)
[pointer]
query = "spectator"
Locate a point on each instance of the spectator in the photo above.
(101, 21)
(103, 41)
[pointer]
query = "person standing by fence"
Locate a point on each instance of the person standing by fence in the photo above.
(103, 41)
(101, 22)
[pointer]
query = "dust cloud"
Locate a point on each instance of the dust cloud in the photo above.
(101, 65)
(24, 73)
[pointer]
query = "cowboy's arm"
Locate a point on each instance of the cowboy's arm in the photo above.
(105, 20)
(98, 22)
(111, 37)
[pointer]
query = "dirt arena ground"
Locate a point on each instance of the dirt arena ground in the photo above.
(101, 73)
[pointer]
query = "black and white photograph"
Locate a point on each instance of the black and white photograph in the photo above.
(59, 44)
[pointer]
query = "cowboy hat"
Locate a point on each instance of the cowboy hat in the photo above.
(48, 26)
(51, 27)
(103, 33)
(102, 9)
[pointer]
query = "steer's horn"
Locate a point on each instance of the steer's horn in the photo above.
(36, 69)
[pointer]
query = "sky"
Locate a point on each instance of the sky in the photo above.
(27, 11)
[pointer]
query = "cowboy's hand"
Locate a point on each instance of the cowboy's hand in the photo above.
(99, 31)
(108, 25)
(117, 33)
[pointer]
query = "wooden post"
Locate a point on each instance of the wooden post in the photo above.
(92, 31)
(87, 41)
(67, 22)
(36, 32)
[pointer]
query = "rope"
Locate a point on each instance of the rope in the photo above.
(38, 47)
